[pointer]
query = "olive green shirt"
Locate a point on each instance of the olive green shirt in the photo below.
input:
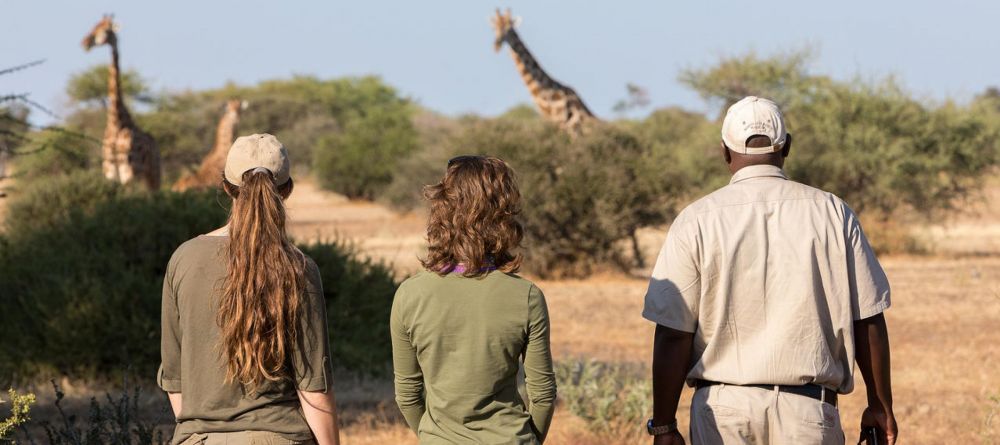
(457, 344)
(193, 366)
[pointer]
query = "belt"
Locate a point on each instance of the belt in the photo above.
(810, 390)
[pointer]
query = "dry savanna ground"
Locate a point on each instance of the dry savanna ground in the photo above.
(943, 323)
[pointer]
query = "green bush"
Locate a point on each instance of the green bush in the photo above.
(81, 270)
(50, 153)
(358, 296)
(44, 205)
(362, 160)
(81, 267)
(614, 399)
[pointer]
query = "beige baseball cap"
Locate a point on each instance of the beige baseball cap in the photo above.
(257, 151)
(753, 116)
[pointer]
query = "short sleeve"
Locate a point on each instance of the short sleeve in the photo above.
(674, 292)
(168, 377)
(311, 357)
(870, 293)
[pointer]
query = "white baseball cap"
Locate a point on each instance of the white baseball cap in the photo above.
(257, 151)
(753, 116)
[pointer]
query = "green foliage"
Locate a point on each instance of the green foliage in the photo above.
(81, 269)
(359, 296)
(782, 78)
(362, 160)
(53, 152)
(301, 111)
(684, 154)
(521, 112)
(91, 86)
(612, 398)
(436, 135)
(870, 143)
(13, 128)
(20, 409)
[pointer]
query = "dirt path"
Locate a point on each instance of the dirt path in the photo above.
(375, 230)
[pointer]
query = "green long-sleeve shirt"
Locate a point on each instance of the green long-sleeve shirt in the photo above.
(456, 346)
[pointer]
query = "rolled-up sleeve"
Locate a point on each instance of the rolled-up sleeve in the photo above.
(408, 377)
(311, 357)
(539, 378)
(674, 292)
(168, 377)
(870, 293)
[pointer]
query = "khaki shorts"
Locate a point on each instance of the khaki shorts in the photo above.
(728, 415)
(243, 438)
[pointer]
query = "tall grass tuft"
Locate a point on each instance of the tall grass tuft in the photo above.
(612, 398)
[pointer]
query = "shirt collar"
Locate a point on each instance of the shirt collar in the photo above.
(758, 171)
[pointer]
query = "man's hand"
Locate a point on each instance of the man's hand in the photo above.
(673, 438)
(884, 420)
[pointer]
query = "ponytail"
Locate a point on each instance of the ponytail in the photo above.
(264, 280)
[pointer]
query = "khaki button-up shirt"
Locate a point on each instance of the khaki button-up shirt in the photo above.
(769, 275)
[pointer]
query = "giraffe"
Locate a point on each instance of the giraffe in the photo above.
(128, 152)
(556, 102)
(210, 171)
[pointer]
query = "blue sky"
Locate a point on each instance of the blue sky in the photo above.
(440, 52)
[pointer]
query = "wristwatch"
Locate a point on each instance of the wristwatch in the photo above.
(669, 427)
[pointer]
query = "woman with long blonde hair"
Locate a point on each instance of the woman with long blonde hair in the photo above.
(463, 326)
(244, 346)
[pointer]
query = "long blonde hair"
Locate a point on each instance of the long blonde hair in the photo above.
(258, 314)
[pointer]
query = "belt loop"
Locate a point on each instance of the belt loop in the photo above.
(822, 394)
(777, 389)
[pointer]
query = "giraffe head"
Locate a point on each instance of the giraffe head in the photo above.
(234, 107)
(103, 33)
(503, 24)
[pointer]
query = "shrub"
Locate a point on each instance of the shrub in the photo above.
(612, 399)
(81, 268)
(50, 202)
(20, 409)
(52, 152)
(359, 297)
(362, 160)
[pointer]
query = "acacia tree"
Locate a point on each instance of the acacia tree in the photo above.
(869, 142)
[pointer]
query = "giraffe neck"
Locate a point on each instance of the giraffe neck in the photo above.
(118, 116)
(225, 131)
(531, 72)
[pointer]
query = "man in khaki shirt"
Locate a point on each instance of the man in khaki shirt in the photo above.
(764, 294)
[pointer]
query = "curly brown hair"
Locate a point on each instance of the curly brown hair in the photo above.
(473, 218)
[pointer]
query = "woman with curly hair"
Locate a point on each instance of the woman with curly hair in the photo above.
(461, 327)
